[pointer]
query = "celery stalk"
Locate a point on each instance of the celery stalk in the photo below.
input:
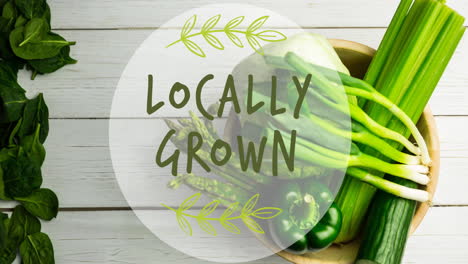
(419, 55)
(384, 50)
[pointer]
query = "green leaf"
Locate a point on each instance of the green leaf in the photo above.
(188, 26)
(35, 113)
(257, 24)
(33, 41)
(207, 227)
(34, 148)
(189, 202)
(21, 225)
(53, 64)
(32, 8)
(230, 227)
(34, 30)
(8, 254)
(250, 205)
(209, 208)
(21, 176)
(194, 48)
(9, 13)
(266, 213)
(42, 203)
(253, 42)
(9, 73)
(184, 224)
(230, 210)
(214, 41)
(21, 21)
(271, 36)
(253, 225)
(210, 23)
(13, 99)
(235, 39)
(14, 132)
(234, 23)
(37, 249)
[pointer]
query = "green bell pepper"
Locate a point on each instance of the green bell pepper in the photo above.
(300, 203)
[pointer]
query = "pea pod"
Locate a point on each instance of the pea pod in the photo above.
(301, 203)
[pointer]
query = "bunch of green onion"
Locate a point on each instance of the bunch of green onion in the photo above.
(364, 130)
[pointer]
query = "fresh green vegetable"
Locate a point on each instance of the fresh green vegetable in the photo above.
(52, 64)
(42, 203)
(406, 69)
(21, 175)
(37, 248)
(26, 40)
(32, 8)
(19, 226)
(26, 37)
(298, 228)
(34, 42)
(24, 126)
(356, 158)
(386, 233)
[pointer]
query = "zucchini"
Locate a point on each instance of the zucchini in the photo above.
(387, 229)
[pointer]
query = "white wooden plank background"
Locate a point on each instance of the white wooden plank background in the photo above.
(94, 225)
(153, 13)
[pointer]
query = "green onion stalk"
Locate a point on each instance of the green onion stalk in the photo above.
(306, 151)
(367, 93)
(357, 114)
(358, 133)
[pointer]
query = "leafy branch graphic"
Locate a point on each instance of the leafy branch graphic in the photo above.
(252, 35)
(247, 215)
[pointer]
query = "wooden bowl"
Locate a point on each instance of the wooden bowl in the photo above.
(357, 58)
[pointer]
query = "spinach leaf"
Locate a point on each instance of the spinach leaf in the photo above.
(9, 14)
(34, 30)
(21, 176)
(4, 26)
(34, 148)
(6, 52)
(32, 8)
(19, 227)
(48, 16)
(12, 101)
(8, 254)
(35, 113)
(37, 249)
(9, 251)
(33, 41)
(21, 21)
(9, 72)
(21, 224)
(42, 203)
(53, 64)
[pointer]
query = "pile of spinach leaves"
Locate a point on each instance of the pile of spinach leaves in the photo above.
(24, 126)
(26, 40)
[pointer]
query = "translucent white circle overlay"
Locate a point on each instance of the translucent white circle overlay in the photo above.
(135, 136)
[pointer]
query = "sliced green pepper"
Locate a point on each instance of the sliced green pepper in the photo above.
(301, 203)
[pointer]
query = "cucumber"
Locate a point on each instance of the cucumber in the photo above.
(386, 231)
